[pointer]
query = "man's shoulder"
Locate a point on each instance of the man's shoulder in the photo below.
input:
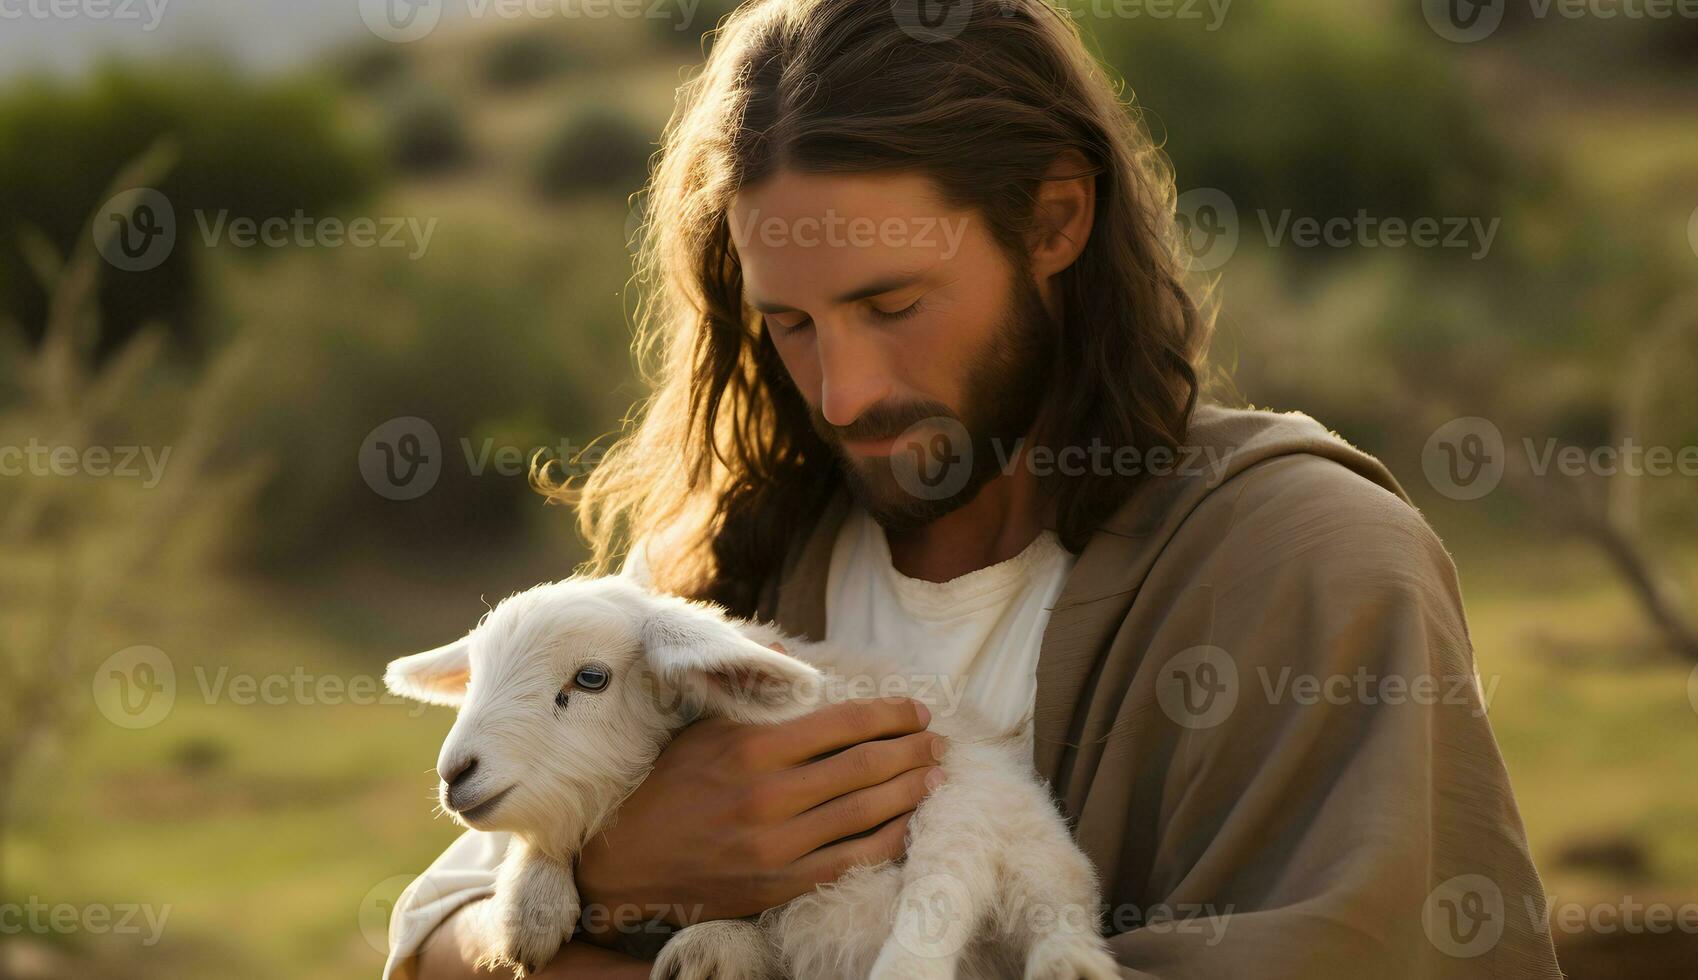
(1271, 495)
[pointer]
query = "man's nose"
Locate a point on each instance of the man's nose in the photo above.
(853, 373)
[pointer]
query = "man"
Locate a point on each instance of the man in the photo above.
(928, 383)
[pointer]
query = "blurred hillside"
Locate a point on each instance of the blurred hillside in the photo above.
(275, 830)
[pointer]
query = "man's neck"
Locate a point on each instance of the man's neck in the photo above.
(1005, 516)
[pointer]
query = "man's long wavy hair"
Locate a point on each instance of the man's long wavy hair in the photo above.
(720, 473)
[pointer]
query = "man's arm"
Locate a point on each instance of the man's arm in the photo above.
(1300, 780)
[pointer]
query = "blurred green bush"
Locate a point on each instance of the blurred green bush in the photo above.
(425, 132)
(495, 336)
(256, 148)
(521, 59)
(594, 148)
(1287, 107)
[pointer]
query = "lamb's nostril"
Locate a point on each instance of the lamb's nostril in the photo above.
(459, 771)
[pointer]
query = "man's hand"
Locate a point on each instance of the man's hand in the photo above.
(736, 819)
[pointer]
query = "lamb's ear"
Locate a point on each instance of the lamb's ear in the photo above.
(435, 677)
(730, 675)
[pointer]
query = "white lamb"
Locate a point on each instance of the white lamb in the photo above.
(568, 691)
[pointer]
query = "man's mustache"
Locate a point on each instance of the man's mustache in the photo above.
(880, 421)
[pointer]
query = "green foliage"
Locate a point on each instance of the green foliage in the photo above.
(521, 59)
(491, 337)
(425, 133)
(691, 36)
(1286, 108)
(79, 531)
(253, 148)
(595, 148)
(371, 66)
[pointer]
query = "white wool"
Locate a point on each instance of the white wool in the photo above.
(978, 896)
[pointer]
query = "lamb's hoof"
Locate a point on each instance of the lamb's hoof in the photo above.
(1070, 958)
(725, 949)
(525, 959)
(526, 944)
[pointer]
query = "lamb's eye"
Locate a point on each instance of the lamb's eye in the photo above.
(591, 679)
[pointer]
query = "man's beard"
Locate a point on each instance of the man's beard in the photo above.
(948, 457)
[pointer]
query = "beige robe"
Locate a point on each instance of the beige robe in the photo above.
(1257, 702)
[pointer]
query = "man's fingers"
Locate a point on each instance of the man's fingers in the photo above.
(838, 726)
(863, 810)
(887, 843)
(859, 767)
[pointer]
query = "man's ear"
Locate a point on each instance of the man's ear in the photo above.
(435, 677)
(1064, 213)
(694, 647)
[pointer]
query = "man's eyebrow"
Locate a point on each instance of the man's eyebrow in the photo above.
(877, 287)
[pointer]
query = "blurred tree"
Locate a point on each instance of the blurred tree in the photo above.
(426, 133)
(1287, 107)
(595, 148)
(254, 149)
(520, 59)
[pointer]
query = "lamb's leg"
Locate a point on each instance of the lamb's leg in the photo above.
(723, 949)
(948, 886)
(534, 910)
(1051, 890)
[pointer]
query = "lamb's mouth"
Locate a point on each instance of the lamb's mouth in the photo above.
(485, 808)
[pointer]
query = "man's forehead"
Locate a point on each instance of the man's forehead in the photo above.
(789, 194)
(832, 238)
